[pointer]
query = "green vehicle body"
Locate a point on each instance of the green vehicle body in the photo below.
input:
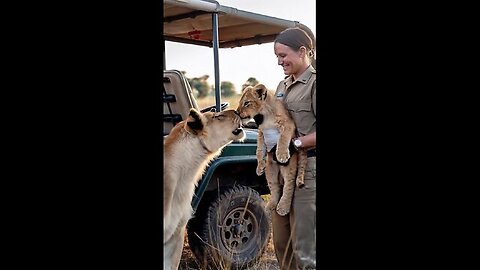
(236, 154)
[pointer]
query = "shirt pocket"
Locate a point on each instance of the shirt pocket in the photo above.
(302, 115)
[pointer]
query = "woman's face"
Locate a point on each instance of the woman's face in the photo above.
(291, 60)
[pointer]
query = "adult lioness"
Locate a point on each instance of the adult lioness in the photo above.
(188, 149)
(275, 151)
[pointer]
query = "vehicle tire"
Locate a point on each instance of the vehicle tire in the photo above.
(234, 231)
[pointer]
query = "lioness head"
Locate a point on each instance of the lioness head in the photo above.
(216, 129)
(251, 102)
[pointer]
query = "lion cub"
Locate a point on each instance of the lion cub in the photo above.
(275, 150)
(188, 149)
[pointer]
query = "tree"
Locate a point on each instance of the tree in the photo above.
(250, 82)
(228, 89)
(200, 85)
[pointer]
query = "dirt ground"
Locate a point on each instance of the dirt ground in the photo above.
(267, 262)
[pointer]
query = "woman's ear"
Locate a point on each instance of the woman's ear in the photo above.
(303, 51)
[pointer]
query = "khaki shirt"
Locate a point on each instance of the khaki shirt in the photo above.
(300, 99)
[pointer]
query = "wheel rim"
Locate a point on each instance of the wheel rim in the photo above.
(238, 230)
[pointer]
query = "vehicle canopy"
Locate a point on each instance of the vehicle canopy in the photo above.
(207, 23)
(191, 22)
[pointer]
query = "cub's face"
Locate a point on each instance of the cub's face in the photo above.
(251, 102)
(216, 128)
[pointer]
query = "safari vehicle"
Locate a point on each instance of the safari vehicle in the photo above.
(230, 223)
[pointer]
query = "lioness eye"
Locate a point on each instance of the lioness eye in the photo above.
(219, 117)
(246, 103)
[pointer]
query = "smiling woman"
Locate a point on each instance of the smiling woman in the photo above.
(291, 47)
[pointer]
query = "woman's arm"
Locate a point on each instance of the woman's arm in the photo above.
(308, 141)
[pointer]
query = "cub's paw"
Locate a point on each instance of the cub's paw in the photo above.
(283, 156)
(283, 206)
(282, 211)
(261, 167)
(300, 182)
(271, 205)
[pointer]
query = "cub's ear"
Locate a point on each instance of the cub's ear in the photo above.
(246, 88)
(261, 91)
(195, 122)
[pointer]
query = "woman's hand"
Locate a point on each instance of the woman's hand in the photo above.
(308, 141)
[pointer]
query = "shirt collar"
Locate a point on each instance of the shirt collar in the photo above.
(303, 78)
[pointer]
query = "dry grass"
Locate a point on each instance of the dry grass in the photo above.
(208, 101)
(268, 261)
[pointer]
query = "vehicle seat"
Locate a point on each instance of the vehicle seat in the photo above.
(178, 98)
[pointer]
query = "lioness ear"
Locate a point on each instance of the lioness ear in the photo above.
(261, 91)
(195, 122)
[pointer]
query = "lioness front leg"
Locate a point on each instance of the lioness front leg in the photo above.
(172, 252)
(272, 174)
(261, 153)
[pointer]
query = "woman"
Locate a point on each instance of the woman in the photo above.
(294, 234)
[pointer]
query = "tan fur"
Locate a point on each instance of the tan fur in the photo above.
(259, 100)
(191, 145)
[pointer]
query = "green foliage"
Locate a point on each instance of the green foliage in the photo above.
(202, 89)
(200, 86)
(227, 89)
(250, 82)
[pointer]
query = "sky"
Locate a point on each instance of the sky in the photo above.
(239, 64)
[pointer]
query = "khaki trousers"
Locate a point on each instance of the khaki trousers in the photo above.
(294, 235)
